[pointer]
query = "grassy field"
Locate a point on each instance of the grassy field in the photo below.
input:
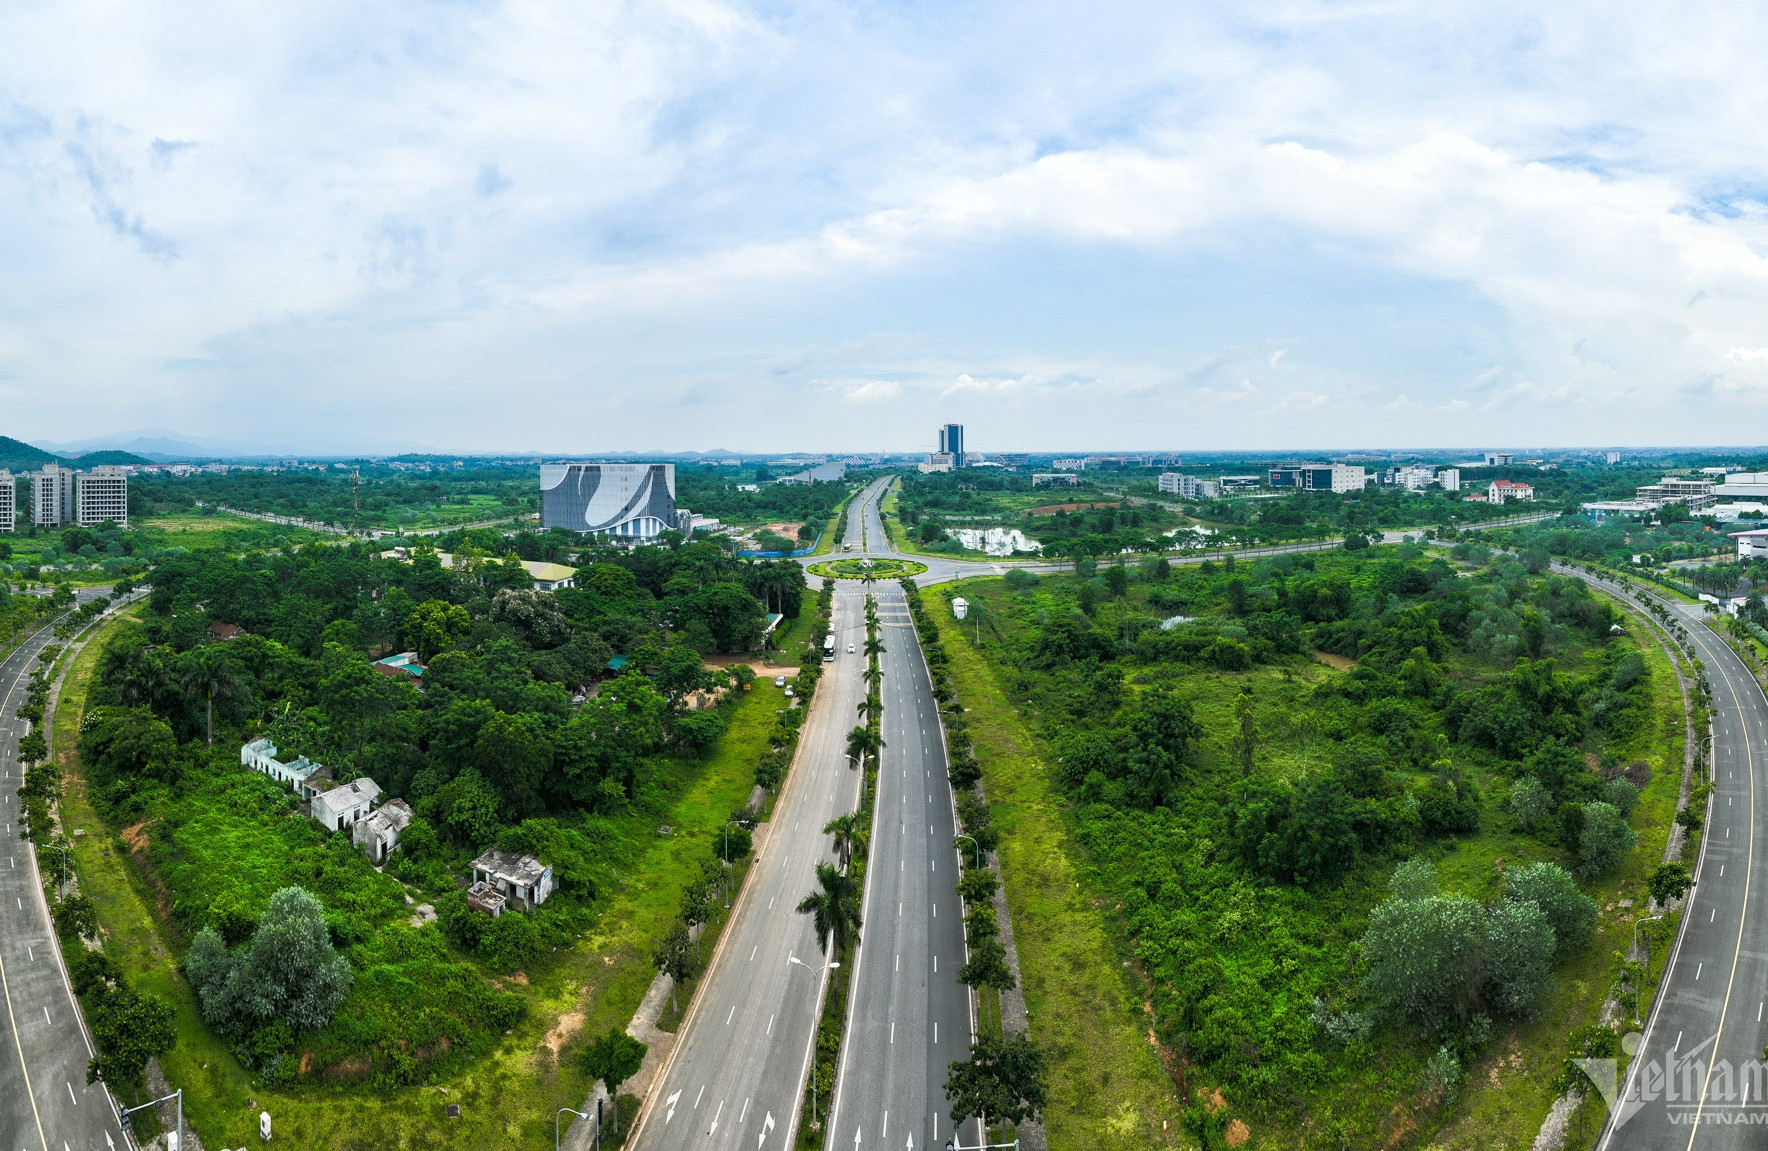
(509, 1099)
(1084, 989)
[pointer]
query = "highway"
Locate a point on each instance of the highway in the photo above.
(735, 1077)
(45, 1101)
(908, 1017)
(1696, 1078)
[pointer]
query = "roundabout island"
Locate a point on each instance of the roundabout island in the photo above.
(858, 568)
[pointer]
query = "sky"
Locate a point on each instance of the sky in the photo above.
(689, 225)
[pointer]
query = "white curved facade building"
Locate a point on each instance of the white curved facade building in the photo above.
(629, 501)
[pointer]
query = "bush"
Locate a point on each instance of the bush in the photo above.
(1424, 955)
(1518, 957)
(1530, 802)
(1570, 913)
(1604, 840)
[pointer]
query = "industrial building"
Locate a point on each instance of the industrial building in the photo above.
(631, 502)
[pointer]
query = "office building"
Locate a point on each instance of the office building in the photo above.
(1675, 489)
(8, 501)
(102, 494)
(1320, 477)
(632, 502)
(1450, 478)
(1500, 459)
(1232, 484)
(1505, 492)
(951, 443)
(52, 497)
(1189, 487)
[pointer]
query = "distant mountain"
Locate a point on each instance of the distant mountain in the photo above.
(110, 457)
(18, 456)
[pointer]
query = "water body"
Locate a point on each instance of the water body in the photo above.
(996, 541)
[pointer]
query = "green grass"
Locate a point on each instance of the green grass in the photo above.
(1108, 1088)
(509, 1098)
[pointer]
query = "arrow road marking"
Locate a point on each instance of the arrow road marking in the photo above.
(670, 1102)
(766, 1126)
(715, 1116)
(856, 1137)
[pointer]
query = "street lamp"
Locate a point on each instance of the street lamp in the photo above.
(559, 1114)
(830, 966)
(1647, 968)
(974, 844)
(177, 1144)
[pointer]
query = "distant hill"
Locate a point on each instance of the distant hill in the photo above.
(18, 456)
(110, 457)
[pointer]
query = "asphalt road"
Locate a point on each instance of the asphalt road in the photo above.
(45, 1101)
(734, 1079)
(1696, 1078)
(908, 1018)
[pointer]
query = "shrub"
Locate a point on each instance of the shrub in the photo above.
(1518, 957)
(1424, 955)
(1570, 912)
(1604, 840)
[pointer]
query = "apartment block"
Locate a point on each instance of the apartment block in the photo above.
(8, 501)
(52, 496)
(102, 494)
(1190, 487)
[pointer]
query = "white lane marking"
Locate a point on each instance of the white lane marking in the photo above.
(936, 964)
(1678, 1044)
(933, 864)
(893, 1031)
(745, 1113)
(1698, 967)
(70, 1096)
(1710, 919)
(936, 1031)
(885, 1134)
(936, 911)
(715, 1116)
(770, 1020)
(752, 952)
(899, 962)
(1759, 1011)
(731, 1016)
(46, 1018)
(899, 911)
(1721, 871)
(770, 907)
(698, 1097)
(30, 953)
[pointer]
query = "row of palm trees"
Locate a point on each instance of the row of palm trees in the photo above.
(835, 902)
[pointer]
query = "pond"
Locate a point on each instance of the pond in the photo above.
(996, 541)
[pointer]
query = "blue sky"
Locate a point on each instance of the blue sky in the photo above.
(596, 227)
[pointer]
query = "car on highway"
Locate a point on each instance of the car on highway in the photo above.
(849, 649)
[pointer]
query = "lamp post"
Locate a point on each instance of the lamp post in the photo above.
(63, 889)
(727, 861)
(829, 966)
(974, 844)
(1647, 969)
(559, 1114)
(178, 1141)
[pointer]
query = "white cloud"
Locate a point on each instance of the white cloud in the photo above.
(1188, 224)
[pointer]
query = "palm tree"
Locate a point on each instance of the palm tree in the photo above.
(206, 675)
(859, 743)
(836, 905)
(849, 836)
(874, 645)
(874, 676)
(870, 708)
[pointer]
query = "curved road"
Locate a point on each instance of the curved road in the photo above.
(45, 1101)
(1697, 1077)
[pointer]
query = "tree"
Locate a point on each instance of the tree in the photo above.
(848, 836)
(1669, 881)
(676, 957)
(1604, 840)
(614, 1058)
(435, 626)
(861, 742)
(128, 1029)
(1518, 957)
(289, 970)
(1246, 740)
(1570, 912)
(987, 966)
(1423, 955)
(1531, 802)
(1414, 879)
(835, 904)
(1004, 1079)
(206, 674)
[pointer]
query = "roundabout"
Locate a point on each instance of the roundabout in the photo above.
(862, 568)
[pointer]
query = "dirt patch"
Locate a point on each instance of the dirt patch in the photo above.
(1337, 661)
(569, 1024)
(520, 979)
(351, 1068)
(1237, 1134)
(306, 1062)
(135, 836)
